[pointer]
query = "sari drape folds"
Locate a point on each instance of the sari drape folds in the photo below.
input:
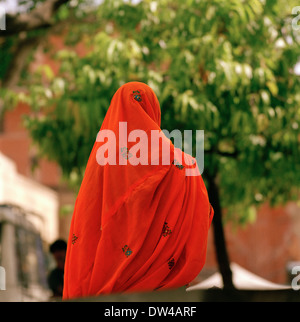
(136, 227)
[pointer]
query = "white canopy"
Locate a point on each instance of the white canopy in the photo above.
(242, 280)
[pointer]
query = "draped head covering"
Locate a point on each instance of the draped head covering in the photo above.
(139, 224)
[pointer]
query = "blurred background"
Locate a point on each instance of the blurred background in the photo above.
(228, 67)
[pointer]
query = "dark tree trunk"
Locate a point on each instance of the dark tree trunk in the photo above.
(219, 235)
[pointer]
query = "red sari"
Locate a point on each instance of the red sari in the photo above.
(136, 227)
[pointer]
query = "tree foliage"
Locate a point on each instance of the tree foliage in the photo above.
(225, 66)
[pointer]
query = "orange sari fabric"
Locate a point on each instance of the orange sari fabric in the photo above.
(136, 227)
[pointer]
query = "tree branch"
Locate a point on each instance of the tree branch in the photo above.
(40, 17)
(16, 66)
(233, 155)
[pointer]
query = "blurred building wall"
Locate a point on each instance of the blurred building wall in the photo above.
(39, 201)
(16, 144)
(266, 246)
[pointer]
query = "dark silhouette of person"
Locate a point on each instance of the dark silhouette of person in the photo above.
(56, 277)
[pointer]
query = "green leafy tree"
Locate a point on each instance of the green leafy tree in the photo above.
(225, 66)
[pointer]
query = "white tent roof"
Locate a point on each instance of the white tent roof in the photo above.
(242, 279)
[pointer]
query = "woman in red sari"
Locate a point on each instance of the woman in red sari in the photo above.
(136, 227)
